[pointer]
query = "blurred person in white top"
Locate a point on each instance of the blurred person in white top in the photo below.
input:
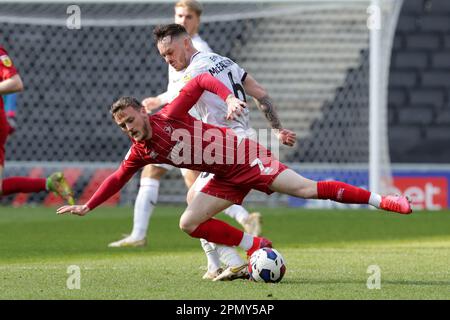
(187, 14)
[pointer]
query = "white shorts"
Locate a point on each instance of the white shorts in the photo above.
(169, 167)
(204, 177)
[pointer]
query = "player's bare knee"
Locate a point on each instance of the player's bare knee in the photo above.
(186, 225)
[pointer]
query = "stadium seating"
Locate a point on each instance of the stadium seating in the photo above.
(418, 96)
(419, 88)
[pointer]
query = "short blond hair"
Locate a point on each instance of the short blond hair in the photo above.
(191, 5)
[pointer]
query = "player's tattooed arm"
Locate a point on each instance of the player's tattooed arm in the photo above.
(265, 103)
(267, 107)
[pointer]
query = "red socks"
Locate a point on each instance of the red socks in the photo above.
(342, 192)
(219, 232)
(22, 185)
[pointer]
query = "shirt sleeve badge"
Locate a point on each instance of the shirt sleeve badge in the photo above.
(6, 61)
(187, 77)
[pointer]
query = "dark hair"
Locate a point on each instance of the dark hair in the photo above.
(165, 30)
(124, 103)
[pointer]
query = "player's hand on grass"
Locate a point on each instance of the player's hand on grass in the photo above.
(79, 210)
(286, 137)
(235, 107)
(151, 103)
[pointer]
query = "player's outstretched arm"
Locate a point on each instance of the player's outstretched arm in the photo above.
(107, 189)
(79, 210)
(265, 103)
(192, 91)
(286, 136)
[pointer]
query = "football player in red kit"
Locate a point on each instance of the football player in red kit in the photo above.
(174, 137)
(10, 82)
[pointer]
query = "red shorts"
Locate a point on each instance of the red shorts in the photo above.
(242, 178)
(4, 132)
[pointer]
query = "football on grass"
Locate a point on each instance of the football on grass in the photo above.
(266, 265)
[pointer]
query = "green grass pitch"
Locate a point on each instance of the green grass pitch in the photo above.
(327, 254)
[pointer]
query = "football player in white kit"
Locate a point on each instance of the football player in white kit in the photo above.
(176, 47)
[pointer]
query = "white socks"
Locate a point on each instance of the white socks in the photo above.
(375, 200)
(229, 256)
(218, 253)
(211, 255)
(237, 212)
(143, 207)
(246, 242)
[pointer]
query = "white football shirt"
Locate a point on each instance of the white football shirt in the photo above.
(175, 77)
(211, 108)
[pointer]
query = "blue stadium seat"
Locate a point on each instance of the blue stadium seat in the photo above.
(404, 138)
(410, 60)
(413, 6)
(402, 79)
(443, 116)
(438, 132)
(406, 23)
(434, 23)
(399, 42)
(441, 59)
(423, 41)
(438, 6)
(415, 116)
(446, 41)
(436, 78)
(397, 97)
(430, 97)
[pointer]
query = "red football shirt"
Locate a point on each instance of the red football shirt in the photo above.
(7, 69)
(183, 141)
